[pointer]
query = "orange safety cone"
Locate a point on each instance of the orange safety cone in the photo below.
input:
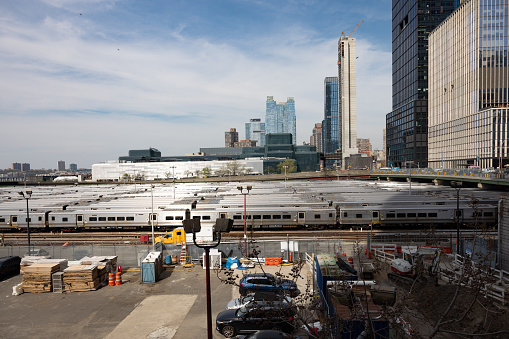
(350, 261)
(111, 279)
(118, 278)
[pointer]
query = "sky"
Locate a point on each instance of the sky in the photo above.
(85, 81)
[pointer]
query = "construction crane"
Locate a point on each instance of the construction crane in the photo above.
(347, 37)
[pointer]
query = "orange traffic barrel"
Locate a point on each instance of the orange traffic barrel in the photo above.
(111, 279)
(118, 278)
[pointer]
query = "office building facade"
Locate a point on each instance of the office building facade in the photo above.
(330, 123)
(407, 124)
(61, 165)
(347, 97)
(280, 117)
(255, 131)
(231, 137)
(469, 87)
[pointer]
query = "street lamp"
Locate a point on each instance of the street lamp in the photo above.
(457, 185)
(152, 216)
(27, 196)
(248, 188)
(285, 167)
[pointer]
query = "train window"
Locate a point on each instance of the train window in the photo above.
(79, 217)
(432, 215)
(92, 219)
(301, 215)
(276, 216)
(401, 215)
(179, 217)
(249, 217)
(2, 220)
(267, 216)
(65, 219)
(317, 216)
(169, 217)
(358, 216)
(257, 216)
(375, 214)
(236, 217)
(411, 215)
(129, 218)
(120, 218)
(40, 218)
(459, 213)
(102, 218)
(330, 215)
(52, 218)
(206, 217)
(196, 217)
(14, 219)
(421, 215)
(29, 219)
(111, 218)
(287, 216)
(391, 215)
(488, 214)
(345, 214)
(154, 216)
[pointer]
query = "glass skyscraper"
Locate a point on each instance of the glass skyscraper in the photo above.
(280, 117)
(469, 87)
(330, 123)
(407, 124)
(255, 131)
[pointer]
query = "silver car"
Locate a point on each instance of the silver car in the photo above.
(257, 297)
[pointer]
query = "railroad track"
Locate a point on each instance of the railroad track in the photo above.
(129, 238)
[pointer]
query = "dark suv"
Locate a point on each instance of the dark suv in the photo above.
(254, 317)
(266, 282)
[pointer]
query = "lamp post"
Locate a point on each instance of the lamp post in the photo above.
(457, 185)
(27, 195)
(285, 167)
(248, 188)
(152, 217)
(173, 177)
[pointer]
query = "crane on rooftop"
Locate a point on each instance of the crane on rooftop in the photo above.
(343, 37)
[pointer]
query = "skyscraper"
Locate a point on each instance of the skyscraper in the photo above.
(317, 139)
(280, 117)
(231, 137)
(330, 123)
(255, 131)
(407, 124)
(469, 87)
(347, 97)
(61, 165)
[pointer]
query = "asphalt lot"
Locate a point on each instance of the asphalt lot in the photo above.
(174, 307)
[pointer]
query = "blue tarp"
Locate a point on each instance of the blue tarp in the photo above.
(231, 261)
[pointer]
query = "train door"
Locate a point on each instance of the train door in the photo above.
(152, 216)
(80, 221)
(14, 220)
(301, 218)
(375, 217)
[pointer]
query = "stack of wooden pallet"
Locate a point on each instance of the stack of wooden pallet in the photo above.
(37, 278)
(81, 278)
(105, 265)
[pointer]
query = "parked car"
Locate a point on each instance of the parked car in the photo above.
(36, 252)
(268, 334)
(254, 317)
(9, 266)
(256, 297)
(266, 282)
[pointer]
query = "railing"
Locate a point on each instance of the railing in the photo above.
(492, 174)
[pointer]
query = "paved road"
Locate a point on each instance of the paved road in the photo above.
(173, 308)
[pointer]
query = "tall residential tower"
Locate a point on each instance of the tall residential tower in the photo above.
(280, 117)
(255, 131)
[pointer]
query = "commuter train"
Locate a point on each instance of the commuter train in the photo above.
(381, 215)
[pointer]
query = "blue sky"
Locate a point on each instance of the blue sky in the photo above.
(86, 80)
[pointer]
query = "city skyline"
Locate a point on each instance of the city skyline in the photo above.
(86, 80)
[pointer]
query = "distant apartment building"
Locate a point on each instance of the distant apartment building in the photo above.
(364, 146)
(61, 165)
(255, 131)
(231, 137)
(316, 138)
(330, 123)
(73, 167)
(347, 97)
(280, 117)
(16, 166)
(469, 87)
(407, 124)
(25, 167)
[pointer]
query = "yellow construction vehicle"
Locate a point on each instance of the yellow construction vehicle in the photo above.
(176, 236)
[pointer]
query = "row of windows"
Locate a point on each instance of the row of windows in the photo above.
(110, 219)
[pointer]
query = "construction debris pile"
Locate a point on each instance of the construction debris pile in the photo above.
(37, 277)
